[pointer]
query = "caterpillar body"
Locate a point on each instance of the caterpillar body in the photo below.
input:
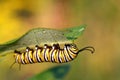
(47, 53)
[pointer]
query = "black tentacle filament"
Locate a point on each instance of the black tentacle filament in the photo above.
(89, 48)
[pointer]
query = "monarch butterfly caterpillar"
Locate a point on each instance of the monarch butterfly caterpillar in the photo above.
(47, 53)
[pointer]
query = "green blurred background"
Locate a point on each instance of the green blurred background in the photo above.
(103, 32)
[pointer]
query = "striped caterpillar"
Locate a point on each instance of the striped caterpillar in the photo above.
(53, 54)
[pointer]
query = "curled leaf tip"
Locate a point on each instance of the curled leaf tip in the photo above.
(74, 32)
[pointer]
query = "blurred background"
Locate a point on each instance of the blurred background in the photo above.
(103, 32)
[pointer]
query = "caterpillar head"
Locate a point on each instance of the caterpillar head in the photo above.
(73, 48)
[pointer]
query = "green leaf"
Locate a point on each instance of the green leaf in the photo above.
(55, 73)
(74, 32)
(39, 36)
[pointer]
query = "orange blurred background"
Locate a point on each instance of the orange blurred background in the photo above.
(103, 32)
